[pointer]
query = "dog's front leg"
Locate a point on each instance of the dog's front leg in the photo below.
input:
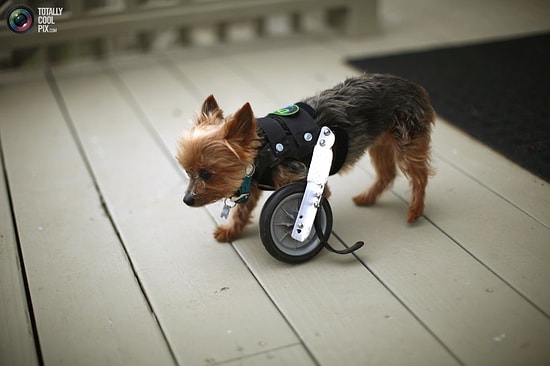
(240, 217)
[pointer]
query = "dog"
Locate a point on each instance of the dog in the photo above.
(386, 115)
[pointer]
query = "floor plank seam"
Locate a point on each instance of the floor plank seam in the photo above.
(144, 120)
(76, 139)
(471, 254)
(142, 117)
(266, 352)
(478, 260)
(407, 308)
(279, 309)
(271, 298)
(169, 64)
(23, 270)
(240, 70)
(474, 257)
(490, 189)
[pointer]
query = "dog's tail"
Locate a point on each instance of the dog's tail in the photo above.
(411, 130)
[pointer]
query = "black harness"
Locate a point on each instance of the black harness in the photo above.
(291, 133)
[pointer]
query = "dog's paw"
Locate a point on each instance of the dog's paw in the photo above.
(414, 215)
(225, 234)
(364, 200)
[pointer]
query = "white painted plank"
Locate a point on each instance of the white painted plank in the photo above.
(341, 312)
(160, 95)
(210, 75)
(16, 336)
(477, 315)
(210, 306)
(498, 234)
(524, 190)
(88, 307)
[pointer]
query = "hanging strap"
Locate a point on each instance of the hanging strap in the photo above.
(323, 236)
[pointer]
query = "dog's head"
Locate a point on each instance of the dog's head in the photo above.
(216, 152)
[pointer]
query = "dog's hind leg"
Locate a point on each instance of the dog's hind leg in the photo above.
(382, 154)
(414, 161)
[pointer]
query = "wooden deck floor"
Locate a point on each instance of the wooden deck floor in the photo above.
(101, 263)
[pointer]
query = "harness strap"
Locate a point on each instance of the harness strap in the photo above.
(290, 133)
(323, 236)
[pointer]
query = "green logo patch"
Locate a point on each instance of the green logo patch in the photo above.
(287, 111)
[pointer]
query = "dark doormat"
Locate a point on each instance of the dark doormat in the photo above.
(498, 92)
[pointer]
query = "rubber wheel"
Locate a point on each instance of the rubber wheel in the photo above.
(277, 221)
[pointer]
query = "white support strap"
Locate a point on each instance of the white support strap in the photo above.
(317, 177)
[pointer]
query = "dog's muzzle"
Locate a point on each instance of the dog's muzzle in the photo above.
(189, 199)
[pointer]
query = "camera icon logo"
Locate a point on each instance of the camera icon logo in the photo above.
(20, 19)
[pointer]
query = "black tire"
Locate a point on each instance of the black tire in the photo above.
(277, 221)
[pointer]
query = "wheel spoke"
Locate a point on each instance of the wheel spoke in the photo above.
(290, 215)
(286, 234)
(285, 224)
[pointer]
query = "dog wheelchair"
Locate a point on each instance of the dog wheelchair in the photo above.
(296, 220)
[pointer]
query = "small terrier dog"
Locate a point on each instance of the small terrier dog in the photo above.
(388, 115)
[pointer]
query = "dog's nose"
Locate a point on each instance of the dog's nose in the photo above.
(188, 199)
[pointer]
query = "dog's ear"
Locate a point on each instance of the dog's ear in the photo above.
(242, 125)
(209, 106)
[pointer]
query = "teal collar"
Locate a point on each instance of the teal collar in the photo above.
(243, 193)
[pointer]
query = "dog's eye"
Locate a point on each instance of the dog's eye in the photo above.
(205, 175)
